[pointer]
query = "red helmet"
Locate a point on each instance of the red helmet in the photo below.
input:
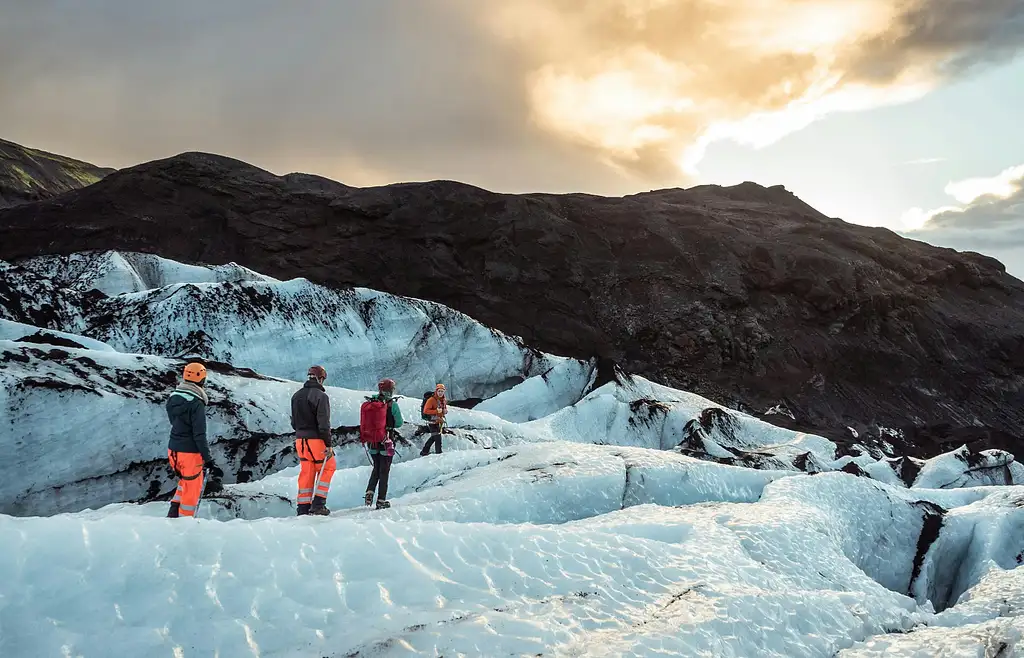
(386, 386)
(318, 372)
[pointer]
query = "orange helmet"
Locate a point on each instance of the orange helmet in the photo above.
(195, 372)
(439, 390)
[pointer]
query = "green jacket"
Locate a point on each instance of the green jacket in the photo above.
(393, 422)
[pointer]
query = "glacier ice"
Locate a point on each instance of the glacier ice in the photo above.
(152, 305)
(561, 520)
(474, 558)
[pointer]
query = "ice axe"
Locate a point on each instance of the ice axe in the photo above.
(328, 454)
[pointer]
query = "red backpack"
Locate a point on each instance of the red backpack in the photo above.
(373, 418)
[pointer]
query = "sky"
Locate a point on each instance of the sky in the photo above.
(898, 113)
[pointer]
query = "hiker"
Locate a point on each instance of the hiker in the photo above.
(379, 417)
(187, 450)
(434, 411)
(311, 420)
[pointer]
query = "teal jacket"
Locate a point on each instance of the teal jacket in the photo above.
(393, 422)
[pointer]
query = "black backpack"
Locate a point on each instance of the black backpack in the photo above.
(423, 407)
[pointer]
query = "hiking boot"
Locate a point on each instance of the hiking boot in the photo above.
(383, 504)
(174, 511)
(302, 510)
(319, 507)
(368, 498)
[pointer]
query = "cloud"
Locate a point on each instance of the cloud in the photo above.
(650, 83)
(988, 218)
(607, 96)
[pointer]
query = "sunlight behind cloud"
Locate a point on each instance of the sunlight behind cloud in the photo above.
(806, 26)
(614, 110)
(601, 96)
(917, 218)
(650, 84)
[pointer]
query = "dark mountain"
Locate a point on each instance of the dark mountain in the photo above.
(29, 175)
(743, 294)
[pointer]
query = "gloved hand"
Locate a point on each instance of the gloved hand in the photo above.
(215, 477)
(329, 452)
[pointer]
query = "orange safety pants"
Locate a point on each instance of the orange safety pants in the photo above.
(311, 454)
(189, 467)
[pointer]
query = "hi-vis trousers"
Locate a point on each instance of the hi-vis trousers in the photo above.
(189, 467)
(311, 454)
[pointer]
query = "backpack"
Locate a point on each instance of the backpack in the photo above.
(373, 418)
(423, 407)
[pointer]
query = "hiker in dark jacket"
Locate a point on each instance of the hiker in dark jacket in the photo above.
(383, 453)
(311, 420)
(188, 451)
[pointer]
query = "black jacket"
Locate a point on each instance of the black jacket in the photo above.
(311, 412)
(187, 414)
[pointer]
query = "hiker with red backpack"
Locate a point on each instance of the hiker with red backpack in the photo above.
(379, 417)
(435, 408)
(311, 420)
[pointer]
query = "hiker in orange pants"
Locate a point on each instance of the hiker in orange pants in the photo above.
(189, 467)
(188, 451)
(315, 459)
(311, 420)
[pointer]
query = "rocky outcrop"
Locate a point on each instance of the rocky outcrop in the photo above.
(29, 175)
(742, 294)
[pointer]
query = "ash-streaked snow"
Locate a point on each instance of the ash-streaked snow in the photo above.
(152, 305)
(114, 273)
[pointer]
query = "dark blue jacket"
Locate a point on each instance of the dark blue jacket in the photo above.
(311, 412)
(187, 414)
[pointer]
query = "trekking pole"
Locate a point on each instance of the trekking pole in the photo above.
(319, 474)
(202, 491)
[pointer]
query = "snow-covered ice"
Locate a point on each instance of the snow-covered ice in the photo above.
(115, 273)
(542, 395)
(27, 333)
(963, 468)
(358, 335)
(526, 483)
(228, 313)
(633, 519)
(817, 565)
(87, 428)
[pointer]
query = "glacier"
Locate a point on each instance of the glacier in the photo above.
(149, 305)
(566, 517)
